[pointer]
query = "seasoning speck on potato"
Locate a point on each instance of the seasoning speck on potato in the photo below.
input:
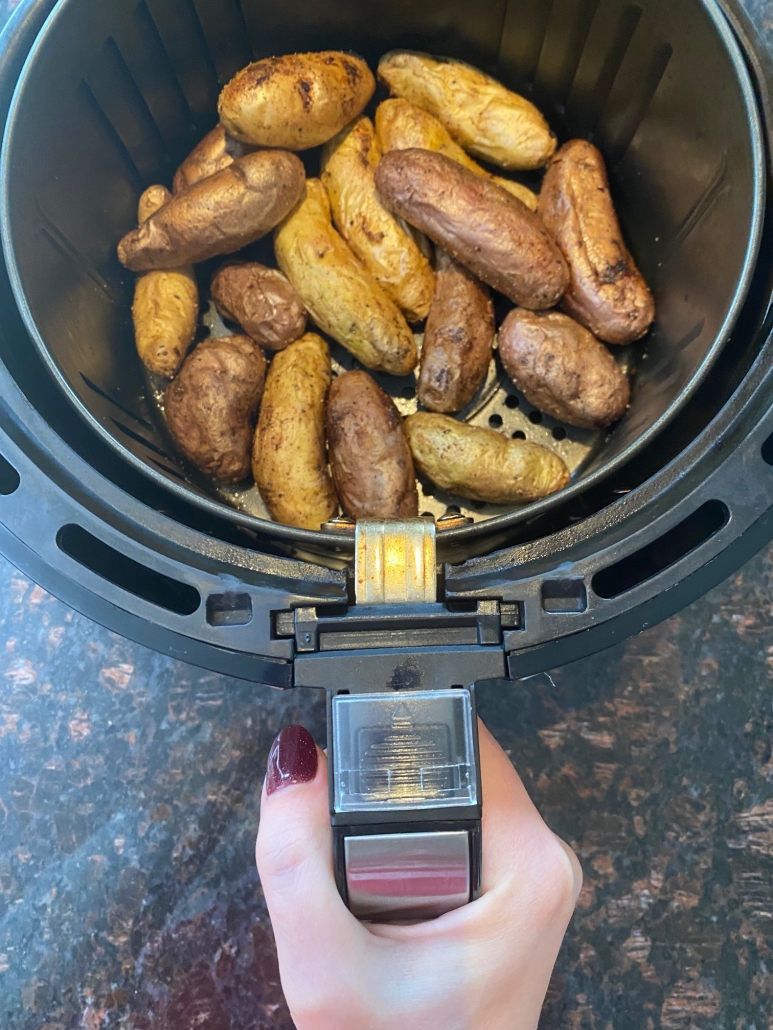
(166, 304)
(485, 228)
(296, 101)
(480, 463)
(219, 214)
(375, 236)
(482, 115)
(262, 301)
(562, 369)
(458, 338)
(369, 453)
(212, 403)
(216, 151)
(289, 457)
(339, 293)
(607, 292)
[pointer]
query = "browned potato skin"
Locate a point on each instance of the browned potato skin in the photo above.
(219, 215)
(166, 304)
(486, 229)
(402, 125)
(296, 101)
(214, 153)
(480, 463)
(211, 405)
(369, 453)
(262, 301)
(375, 236)
(607, 293)
(563, 369)
(458, 338)
(289, 459)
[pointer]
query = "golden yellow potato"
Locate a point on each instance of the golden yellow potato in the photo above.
(401, 125)
(375, 236)
(289, 458)
(296, 101)
(341, 296)
(485, 118)
(166, 304)
(482, 464)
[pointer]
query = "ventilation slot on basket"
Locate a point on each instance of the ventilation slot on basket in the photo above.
(9, 478)
(637, 105)
(180, 32)
(567, 34)
(86, 549)
(226, 34)
(637, 568)
(230, 609)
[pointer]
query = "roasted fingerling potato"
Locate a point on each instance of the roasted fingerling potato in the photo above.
(375, 236)
(289, 457)
(458, 338)
(607, 293)
(483, 116)
(562, 369)
(262, 301)
(211, 405)
(484, 228)
(296, 101)
(341, 296)
(219, 214)
(480, 463)
(369, 453)
(401, 125)
(214, 153)
(166, 304)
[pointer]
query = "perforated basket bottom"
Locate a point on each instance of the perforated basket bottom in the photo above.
(497, 405)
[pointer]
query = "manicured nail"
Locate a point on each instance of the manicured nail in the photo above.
(292, 759)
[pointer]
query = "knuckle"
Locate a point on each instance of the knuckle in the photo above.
(280, 856)
(560, 882)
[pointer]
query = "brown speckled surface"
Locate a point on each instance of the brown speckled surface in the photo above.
(129, 802)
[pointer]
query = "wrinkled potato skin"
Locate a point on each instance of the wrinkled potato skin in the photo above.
(481, 115)
(262, 301)
(289, 460)
(486, 229)
(214, 153)
(607, 293)
(401, 125)
(458, 338)
(369, 453)
(166, 304)
(219, 215)
(563, 369)
(296, 101)
(341, 296)
(211, 405)
(375, 236)
(482, 464)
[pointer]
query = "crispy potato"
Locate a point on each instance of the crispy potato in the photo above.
(211, 405)
(289, 461)
(219, 215)
(485, 118)
(296, 101)
(401, 125)
(563, 369)
(262, 301)
(480, 463)
(166, 304)
(369, 453)
(486, 229)
(458, 338)
(607, 293)
(341, 296)
(375, 236)
(214, 153)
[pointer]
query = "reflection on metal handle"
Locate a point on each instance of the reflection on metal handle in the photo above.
(395, 561)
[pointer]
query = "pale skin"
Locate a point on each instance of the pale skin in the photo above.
(482, 967)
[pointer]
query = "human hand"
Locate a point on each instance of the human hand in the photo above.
(485, 966)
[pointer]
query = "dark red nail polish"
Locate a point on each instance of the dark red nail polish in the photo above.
(292, 759)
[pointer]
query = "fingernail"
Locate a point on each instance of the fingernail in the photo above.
(292, 759)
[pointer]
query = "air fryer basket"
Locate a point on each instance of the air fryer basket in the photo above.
(678, 96)
(118, 93)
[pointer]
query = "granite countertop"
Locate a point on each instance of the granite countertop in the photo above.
(129, 803)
